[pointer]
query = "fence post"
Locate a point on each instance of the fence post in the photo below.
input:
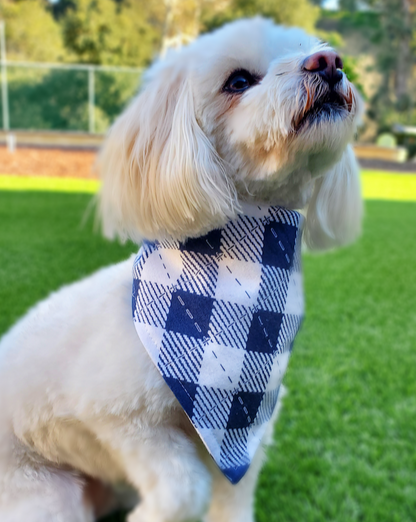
(91, 100)
(4, 89)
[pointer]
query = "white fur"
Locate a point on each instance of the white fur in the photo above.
(80, 397)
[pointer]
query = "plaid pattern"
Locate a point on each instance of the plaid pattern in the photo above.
(218, 316)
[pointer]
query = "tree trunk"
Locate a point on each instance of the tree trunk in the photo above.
(404, 65)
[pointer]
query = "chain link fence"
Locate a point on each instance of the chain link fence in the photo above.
(61, 97)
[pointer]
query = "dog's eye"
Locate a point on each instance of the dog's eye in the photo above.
(239, 81)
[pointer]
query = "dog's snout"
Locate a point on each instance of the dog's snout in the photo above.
(327, 64)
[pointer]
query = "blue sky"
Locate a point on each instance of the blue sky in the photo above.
(330, 4)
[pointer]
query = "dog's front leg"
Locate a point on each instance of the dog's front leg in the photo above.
(234, 503)
(173, 484)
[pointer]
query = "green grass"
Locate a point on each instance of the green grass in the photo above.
(345, 447)
(346, 442)
(44, 243)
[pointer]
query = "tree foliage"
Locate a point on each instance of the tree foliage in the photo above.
(58, 99)
(301, 13)
(31, 31)
(395, 57)
(128, 32)
(396, 43)
(106, 32)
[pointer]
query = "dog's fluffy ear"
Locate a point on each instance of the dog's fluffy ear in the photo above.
(161, 174)
(335, 211)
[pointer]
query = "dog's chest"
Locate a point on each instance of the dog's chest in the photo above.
(218, 316)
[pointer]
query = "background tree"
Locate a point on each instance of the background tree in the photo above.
(182, 17)
(395, 53)
(32, 34)
(109, 32)
(348, 5)
(394, 100)
(301, 13)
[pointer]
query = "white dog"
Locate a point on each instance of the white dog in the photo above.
(250, 113)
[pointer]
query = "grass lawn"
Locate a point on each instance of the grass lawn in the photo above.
(345, 445)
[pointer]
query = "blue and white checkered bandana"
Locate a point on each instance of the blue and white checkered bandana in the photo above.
(218, 315)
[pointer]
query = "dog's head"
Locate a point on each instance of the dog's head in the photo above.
(251, 112)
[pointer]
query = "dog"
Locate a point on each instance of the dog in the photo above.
(251, 114)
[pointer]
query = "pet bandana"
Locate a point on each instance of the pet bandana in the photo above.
(218, 315)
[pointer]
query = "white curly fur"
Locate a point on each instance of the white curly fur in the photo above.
(86, 420)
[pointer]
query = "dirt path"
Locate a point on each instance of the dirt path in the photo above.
(79, 163)
(47, 162)
(408, 166)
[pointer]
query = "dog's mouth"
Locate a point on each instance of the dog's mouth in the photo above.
(328, 107)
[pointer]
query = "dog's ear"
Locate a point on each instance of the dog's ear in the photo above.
(335, 211)
(161, 174)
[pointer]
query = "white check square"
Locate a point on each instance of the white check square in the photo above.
(221, 366)
(238, 281)
(157, 270)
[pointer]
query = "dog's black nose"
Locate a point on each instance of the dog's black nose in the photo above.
(327, 64)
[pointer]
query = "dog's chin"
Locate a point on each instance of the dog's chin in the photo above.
(329, 109)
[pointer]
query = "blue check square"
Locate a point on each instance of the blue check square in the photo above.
(189, 314)
(264, 332)
(244, 409)
(209, 244)
(279, 244)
